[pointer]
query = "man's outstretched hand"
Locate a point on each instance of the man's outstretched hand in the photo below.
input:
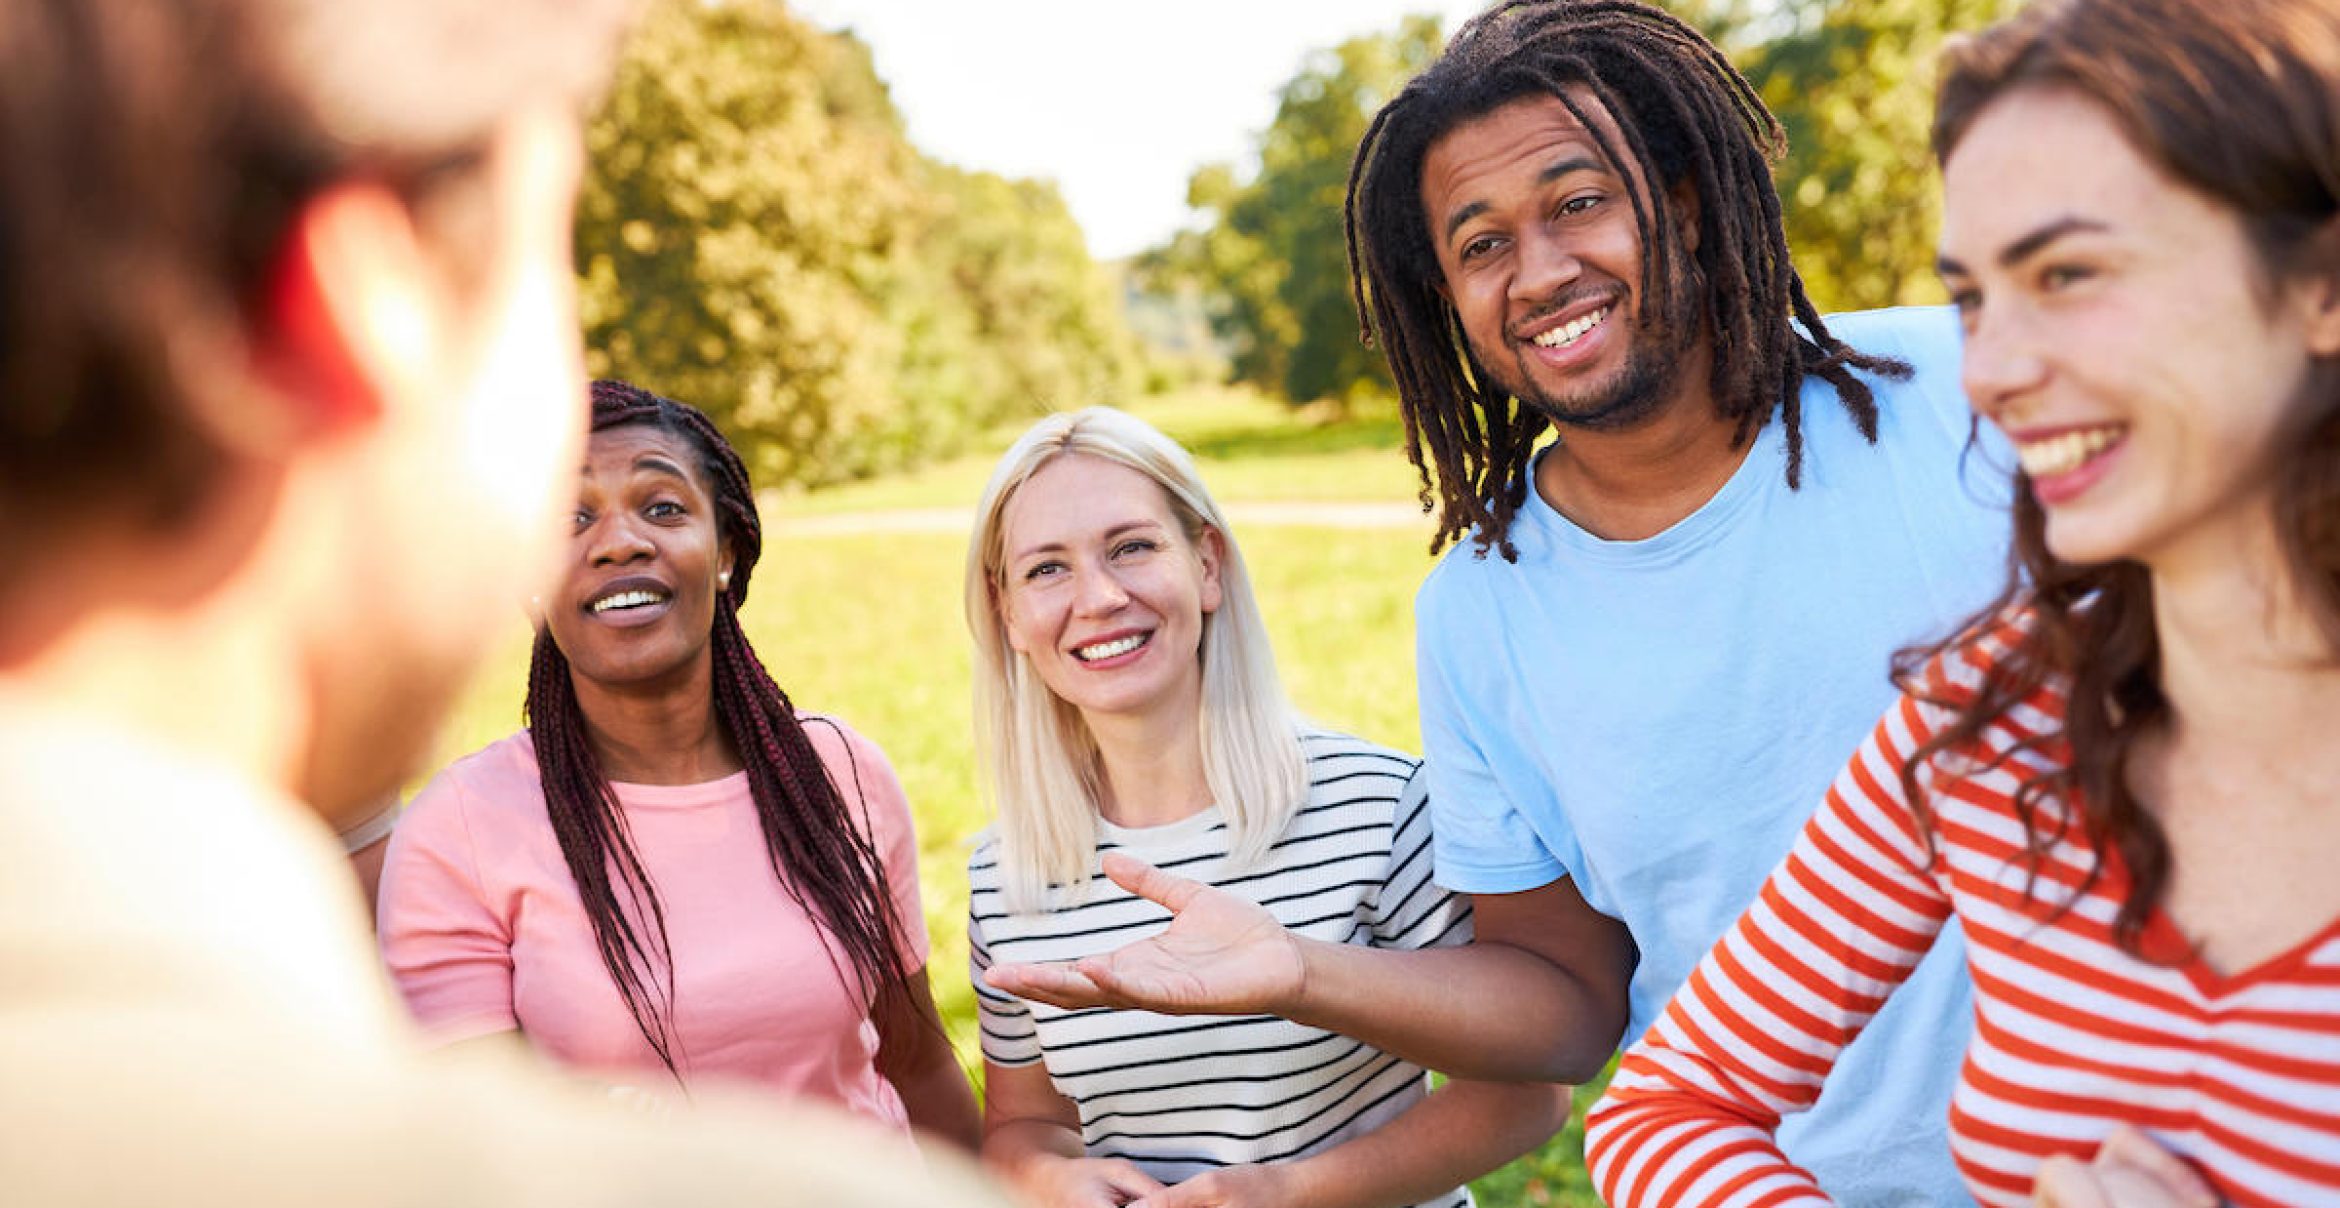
(1221, 955)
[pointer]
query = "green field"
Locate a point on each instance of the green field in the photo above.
(867, 625)
(1252, 450)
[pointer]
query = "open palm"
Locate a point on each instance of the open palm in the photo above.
(1221, 955)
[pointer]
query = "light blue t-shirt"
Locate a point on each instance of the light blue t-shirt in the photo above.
(1657, 719)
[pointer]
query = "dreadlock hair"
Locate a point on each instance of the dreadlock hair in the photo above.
(2240, 102)
(1687, 118)
(827, 864)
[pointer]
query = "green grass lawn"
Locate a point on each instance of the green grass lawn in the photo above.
(869, 627)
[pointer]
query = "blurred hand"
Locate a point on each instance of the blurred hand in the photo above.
(1230, 1187)
(2130, 1170)
(1221, 955)
(1083, 1183)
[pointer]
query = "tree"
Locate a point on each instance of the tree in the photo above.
(1853, 83)
(1044, 313)
(835, 330)
(1273, 257)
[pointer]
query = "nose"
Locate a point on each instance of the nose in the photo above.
(615, 539)
(1100, 592)
(1546, 265)
(2002, 363)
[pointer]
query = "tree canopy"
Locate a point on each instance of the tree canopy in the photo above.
(757, 236)
(1272, 257)
(1852, 81)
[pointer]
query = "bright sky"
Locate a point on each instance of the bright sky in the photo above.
(1116, 101)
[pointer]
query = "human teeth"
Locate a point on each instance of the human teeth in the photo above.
(2064, 452)
(1106, 650)
(626, 599)
(1571, 331)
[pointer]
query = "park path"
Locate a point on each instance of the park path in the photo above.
(1293, 514)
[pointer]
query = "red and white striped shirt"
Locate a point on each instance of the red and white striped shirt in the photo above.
(2239, 1073)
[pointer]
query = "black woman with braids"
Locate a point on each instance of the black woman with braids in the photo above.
(1692, 519)
(673, 875)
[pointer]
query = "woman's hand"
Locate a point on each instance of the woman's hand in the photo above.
(1229, 1187)
(1032, 1139)
(1047, 1181)
(2130, 1170)
(1222, 955)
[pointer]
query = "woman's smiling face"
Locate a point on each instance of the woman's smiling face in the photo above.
(646, 561)
(1103, 591)
(2124, 331)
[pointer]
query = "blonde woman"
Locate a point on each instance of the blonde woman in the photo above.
(1127, 705)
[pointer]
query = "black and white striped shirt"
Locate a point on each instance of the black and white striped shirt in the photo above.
(1181, 1095)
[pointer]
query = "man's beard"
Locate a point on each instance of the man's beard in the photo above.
(1637, 393)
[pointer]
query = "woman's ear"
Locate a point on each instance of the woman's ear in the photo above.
(1211, 551)
(2321, 291)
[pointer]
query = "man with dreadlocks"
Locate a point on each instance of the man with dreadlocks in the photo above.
(1661, 631)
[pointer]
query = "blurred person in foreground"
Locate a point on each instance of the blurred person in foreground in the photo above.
(1128, 707)
(290, 401)
(2122, 779)
(673, 878)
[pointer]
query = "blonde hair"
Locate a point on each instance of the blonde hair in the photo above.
(1040, 764)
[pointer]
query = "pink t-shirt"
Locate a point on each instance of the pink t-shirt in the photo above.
(483, 930)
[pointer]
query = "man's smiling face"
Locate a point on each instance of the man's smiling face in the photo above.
(1541, 257)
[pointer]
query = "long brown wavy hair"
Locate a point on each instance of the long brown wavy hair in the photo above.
(2240, 101)
(822, 859)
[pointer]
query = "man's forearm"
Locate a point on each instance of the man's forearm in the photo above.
(1487, 1011)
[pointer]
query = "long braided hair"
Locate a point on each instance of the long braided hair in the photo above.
(825, 862)
(2240, 101)
(1687, 117)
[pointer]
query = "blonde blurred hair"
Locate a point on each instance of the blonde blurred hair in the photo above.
(1040, 764)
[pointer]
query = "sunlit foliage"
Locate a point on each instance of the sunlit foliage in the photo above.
(758, 236)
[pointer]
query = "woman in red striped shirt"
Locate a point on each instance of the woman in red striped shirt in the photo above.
(2124, 782)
